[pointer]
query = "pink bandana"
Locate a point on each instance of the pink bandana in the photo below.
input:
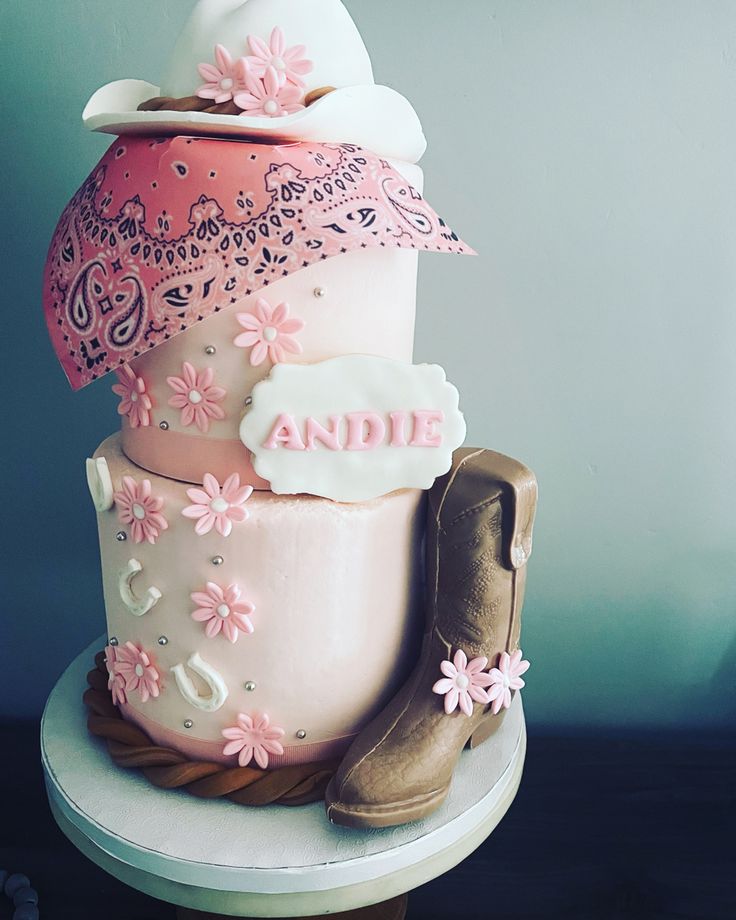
(166, 232)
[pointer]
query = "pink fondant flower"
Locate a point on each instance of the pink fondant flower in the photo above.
(463, 683)
(269, 98)
(134, 400)
(134, 666)
(269, 332)
(223, 611)
(289, 63)
(253, 738)
(196, 396)
(218, 506)
(222, 79)
(505, 678)
(137, 507)
(115, 681)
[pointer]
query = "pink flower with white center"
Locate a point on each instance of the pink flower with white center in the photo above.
(218, 506)
(115, 681)
(253, 737)
(134, 400)
(505, 678)
(223, 611)
(269, 98)
(222, 79)
(289, 63)
(135, 667)
(269, 331)
(137, 507)
(463, 683)
(196, 396)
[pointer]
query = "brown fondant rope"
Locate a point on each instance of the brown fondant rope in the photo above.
(195, 104)
(131, 748)
(188, 104)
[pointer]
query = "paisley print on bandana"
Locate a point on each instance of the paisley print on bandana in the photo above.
(166, 232)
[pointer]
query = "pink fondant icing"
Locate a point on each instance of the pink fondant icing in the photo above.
(115, 679)
(362, 431)
(285, 434)
(504, 678)
(218, 506)
(197, 397)
(140, 510)
(398, 429)
(269, 97)
(167, 232)
(366, 430)
(425, 433)
(337, 591)
(463, 683)
(224, 78)
(135, 403)
(269, 333)
(253, 738)
(134, 665)
(317, 433)
(187, 457)
(222, 611)
(289, 63)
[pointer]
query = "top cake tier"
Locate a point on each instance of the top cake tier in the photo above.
(182, 403)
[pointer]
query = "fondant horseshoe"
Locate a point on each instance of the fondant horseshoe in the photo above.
(99, 482)
(218, 687)
(137, 606)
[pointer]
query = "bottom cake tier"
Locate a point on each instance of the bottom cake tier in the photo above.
(287, 622)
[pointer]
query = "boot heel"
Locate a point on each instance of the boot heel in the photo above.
(489, 726)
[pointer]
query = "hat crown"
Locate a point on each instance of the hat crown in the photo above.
(332, 40)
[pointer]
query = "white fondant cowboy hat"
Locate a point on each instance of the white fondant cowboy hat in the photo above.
(357, 111)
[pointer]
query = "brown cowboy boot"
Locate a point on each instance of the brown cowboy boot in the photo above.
(479, 537)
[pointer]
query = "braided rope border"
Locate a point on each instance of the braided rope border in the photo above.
(131, 748)
(197, 104)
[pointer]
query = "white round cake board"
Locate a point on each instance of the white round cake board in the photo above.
(258, 862)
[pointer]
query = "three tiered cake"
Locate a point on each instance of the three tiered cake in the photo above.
(244, 260)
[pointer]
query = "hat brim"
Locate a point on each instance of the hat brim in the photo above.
(375, 117)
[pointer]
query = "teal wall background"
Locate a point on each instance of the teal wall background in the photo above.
(587, 150)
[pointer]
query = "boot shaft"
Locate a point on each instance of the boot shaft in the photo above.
(479, 538)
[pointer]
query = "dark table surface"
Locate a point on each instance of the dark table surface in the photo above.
(605, 826)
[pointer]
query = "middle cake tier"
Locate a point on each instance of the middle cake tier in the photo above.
(222, 604)
(181, 403)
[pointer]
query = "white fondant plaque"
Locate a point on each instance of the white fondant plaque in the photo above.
(353, 428)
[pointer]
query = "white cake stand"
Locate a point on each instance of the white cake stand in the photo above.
(223, 859)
